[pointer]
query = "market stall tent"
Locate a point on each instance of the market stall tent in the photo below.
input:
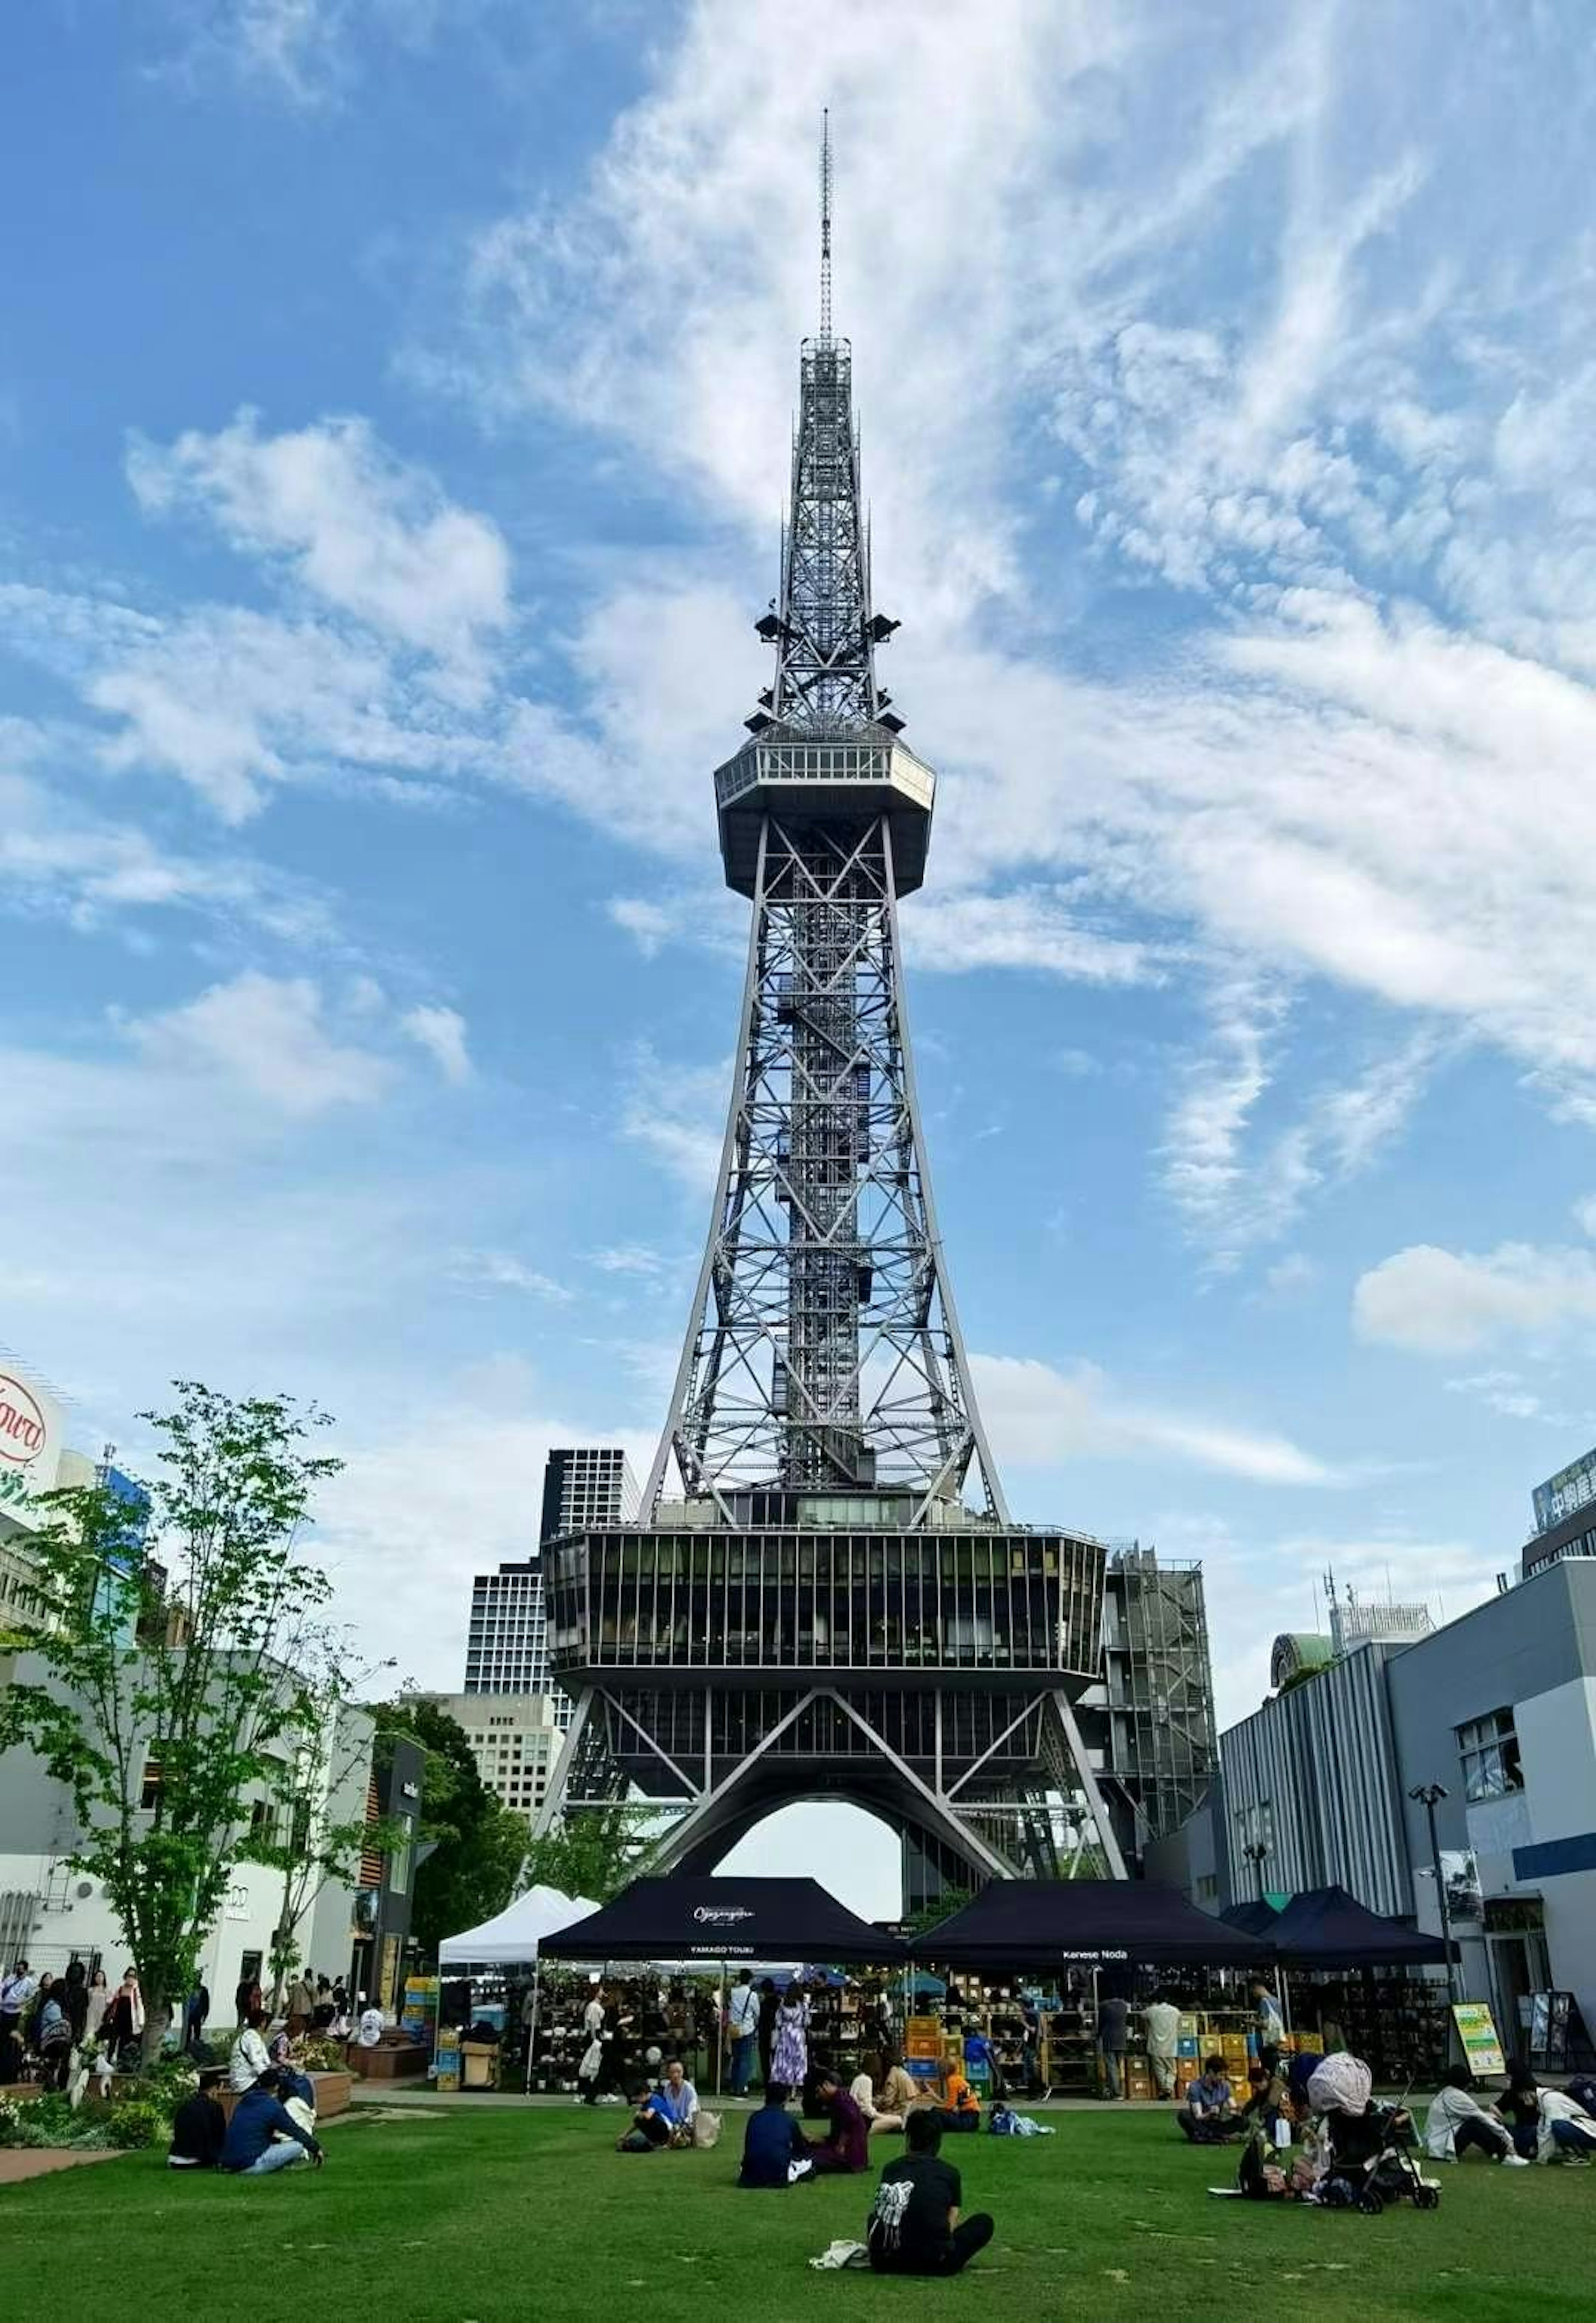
(1324, 1927)
(724, 1919)
(512, 1937)
(1254, 1918)
(1040, 1922)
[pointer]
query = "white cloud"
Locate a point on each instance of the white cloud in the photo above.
(448, 1485)
(677, 1114)
(1038, 1416)
(1511, 1396)
(367, 534)
(441, 1031)
(1325, 778)
(648, 924)
(1032, 928)
(306, 54)
(266, 1036)
(1444, 1302)
(501, 1270)
(628, 1258)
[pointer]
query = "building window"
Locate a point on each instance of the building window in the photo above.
(1488, 1749)
(150, 1790)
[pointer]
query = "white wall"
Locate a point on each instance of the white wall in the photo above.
(1557, 1747)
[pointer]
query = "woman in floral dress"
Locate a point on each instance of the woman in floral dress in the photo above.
(789, 2059)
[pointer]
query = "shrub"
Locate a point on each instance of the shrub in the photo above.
(137, 2121)
(321, 2055)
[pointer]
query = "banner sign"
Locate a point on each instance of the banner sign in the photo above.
(1476, 2029)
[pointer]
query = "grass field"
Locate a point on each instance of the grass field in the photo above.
(455, 2217)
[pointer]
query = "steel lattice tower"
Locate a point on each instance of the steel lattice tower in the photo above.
(836, 1603)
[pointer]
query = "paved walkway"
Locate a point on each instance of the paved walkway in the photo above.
(379, 2093)
(20, 2162)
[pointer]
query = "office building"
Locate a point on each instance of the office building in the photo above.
(507, 1644)
(1497, 1707)
(516, 1739)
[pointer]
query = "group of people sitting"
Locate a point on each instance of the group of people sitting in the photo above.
(1529, 2123)
(272, 2123)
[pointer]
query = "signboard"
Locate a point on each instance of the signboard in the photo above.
(1549, 2014)
(1476, 2029)
(32, 1425)
(1569, 1489)
(1460, 1869)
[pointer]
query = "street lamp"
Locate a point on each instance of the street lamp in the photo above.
(1429, 1795)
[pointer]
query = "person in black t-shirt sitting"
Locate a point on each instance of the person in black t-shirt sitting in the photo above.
(199, 2126)
(914, 2226)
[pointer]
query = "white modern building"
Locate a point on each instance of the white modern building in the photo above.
(52, 1913)
(516, 1741)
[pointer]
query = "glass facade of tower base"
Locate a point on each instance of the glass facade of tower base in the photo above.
(990, 1607)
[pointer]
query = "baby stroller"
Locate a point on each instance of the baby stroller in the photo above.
(1370, 2147)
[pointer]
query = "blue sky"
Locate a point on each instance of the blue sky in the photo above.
(393, 405)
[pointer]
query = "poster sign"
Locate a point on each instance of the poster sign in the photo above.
(1476, 2029)
(1460, 1869)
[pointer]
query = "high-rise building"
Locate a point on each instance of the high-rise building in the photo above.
(516, 1739)
(826, 1595)
(507, 1650)
(586, 1485)
(507, 1645)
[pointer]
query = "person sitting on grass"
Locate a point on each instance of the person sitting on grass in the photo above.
(1209, 2115)
(775, 2151)
(262, 2136)
(677, 2098)
(847, 2147)
(650, 2126)
(914, 2226)
(961, 2108)
(879, 2118)
(297, 2089)
(899, 2090)
(1269, 2100)
(1564, 2131)
(1457, 2122)
(199, 2126)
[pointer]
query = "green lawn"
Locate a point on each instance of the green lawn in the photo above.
(456, 2217)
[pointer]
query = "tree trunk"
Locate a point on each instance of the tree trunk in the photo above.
(158, 2016)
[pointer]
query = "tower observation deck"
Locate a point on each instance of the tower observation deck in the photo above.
(825, 1596)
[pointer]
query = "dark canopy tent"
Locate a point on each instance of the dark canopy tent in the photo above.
(1038, 1923)
(1324, 1927)
(1256, 1918)
(724, 1919)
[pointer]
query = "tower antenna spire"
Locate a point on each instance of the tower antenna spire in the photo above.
(826, 226)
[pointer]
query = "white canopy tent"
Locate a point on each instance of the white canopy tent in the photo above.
(511, 1938)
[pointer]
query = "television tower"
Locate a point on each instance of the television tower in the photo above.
(825, 1596)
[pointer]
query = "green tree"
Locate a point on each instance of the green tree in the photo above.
(318, 1830)
(478, 1845)
(168, 1700)
(595, 1852)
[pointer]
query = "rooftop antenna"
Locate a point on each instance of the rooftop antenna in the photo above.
(826, 226)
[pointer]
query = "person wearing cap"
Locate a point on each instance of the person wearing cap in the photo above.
(199, 2126)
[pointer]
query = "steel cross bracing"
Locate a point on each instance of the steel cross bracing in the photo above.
(826, 1354)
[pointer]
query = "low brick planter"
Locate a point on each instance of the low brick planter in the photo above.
(391, 2060)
